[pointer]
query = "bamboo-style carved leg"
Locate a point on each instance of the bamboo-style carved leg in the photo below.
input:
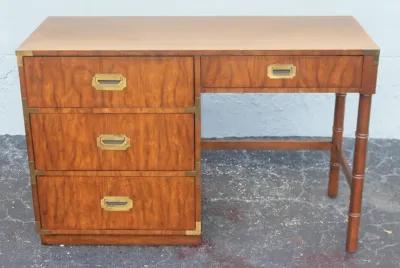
(360, 155)
(337, 138)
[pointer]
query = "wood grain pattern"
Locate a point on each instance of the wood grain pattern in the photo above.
(345, 166)
(168, 61)
(121, 35)
(120, 240)
(158, 203)
(255, 144)
(115, 110)
(251, 71)
(358, 172)
(151, 81)
(158, 142)
(337, 141)
(112, 232)
(116, 173)
(278, 90)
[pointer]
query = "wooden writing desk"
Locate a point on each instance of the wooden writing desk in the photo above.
(112, 114)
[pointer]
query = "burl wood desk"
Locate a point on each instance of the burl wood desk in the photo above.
(112, 114)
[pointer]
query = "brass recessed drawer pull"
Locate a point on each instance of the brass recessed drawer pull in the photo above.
(109, 82)
(113, 142)
(116, 203)
(281, 71)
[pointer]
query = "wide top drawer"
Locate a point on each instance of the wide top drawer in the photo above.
(281, 71)
(155, 82)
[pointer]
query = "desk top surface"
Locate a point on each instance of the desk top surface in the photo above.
(342, 35)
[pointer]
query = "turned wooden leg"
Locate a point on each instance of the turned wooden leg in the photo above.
(360, 155)
(337, 138)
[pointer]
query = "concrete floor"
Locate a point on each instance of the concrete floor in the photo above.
(261, 209)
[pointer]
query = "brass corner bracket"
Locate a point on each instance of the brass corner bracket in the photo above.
(34, 172)
(21, 55)
(376, 57)
(194, 109)
(38, 227)
(196, 231)
(192, 173)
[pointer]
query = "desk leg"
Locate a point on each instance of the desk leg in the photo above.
(337, 138)
(360, 155)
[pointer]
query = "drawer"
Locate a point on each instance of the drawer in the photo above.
(109, 81)
(159, 203)
(281, 71)
(113, 141)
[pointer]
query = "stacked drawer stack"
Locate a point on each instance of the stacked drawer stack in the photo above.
(113, 147)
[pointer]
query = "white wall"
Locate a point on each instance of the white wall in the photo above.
(228, 115)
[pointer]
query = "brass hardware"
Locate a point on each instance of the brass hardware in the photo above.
(281, 71)
(113, 142)
(196, 231)
(109, 82)
(21, 55)
(116, 203)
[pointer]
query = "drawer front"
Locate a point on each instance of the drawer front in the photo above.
(109, 81)
(281, 71)
(113, 141)
(159, 203)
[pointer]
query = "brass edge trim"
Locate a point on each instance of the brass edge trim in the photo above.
(20, 55)
(196, 231)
